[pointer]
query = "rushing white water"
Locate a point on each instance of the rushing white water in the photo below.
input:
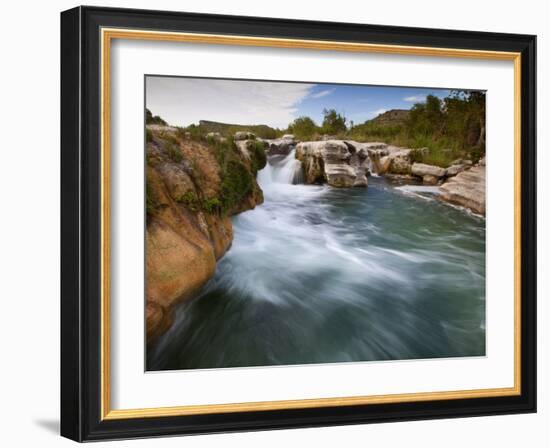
(318, 274)
(281, 170)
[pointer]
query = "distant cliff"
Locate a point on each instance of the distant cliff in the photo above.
(227, 129)
(393, 117)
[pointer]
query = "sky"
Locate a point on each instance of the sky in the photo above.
(183, 101)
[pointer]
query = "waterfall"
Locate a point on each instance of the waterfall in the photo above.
(285, 170)
(373, 167)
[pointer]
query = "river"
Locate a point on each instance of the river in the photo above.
(319, 275)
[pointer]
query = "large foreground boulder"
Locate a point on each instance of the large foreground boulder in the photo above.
(466, 189)
(430, 174)
(423, 169)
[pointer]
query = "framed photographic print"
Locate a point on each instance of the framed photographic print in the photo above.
(274, 223)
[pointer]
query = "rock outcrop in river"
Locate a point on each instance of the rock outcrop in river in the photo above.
(280, 146)
(346, 163)
(467, 189)
(339, 163)
(430, 174)
(388, 159)
(193, 187)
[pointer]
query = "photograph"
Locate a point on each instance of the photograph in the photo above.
(274, 222)
(292, 223)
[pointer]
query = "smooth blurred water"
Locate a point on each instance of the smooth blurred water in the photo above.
(318, 275)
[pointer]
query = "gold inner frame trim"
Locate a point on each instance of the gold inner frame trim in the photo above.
(107, 35)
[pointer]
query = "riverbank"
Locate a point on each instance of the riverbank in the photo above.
(193, 188)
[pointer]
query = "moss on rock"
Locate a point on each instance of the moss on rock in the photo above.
(237, 182)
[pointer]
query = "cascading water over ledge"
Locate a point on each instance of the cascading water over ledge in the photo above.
(282, 169)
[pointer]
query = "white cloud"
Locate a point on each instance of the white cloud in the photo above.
(182, 101)
(322, 93)
(415, 98)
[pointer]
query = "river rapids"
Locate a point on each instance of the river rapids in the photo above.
(321, 275)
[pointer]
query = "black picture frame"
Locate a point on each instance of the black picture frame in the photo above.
(81, 224)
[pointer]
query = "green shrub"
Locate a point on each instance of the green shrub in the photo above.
(169, 137)
(450, 128)
(212, 205)
(190, 200)
(148, 135)
(303, 128)
(375, 132)
(259, 157)
(333, 122)
(174, 152)
(229, 130)
(153, 119)
(223, 151)
(237, 182)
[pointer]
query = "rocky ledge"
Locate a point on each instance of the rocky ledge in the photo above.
(347, 163)
(280, 146)
(467, 189)
(393, 160)
(193, 187)
(339, 163)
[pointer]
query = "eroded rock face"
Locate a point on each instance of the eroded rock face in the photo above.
(429, 179)
(336, 162)
(453, 170)
(430, 174)
(280, 146)
(244, 135)
(466, 189)
(157, 319)
(190, 200)
(387, 159)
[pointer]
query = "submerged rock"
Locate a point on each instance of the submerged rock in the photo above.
(466, 189)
